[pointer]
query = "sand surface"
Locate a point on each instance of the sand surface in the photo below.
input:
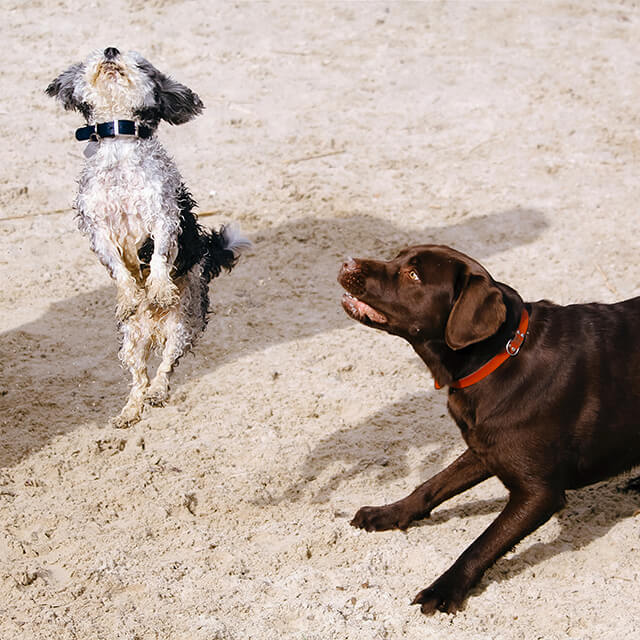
(509, 131)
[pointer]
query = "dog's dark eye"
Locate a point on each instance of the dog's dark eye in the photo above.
(413, 274)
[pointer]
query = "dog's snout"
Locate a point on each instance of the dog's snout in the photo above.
(348, 269)
(351, 277)
(110, 53)
(350, 265)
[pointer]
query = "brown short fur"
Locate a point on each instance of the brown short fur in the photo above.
(561, 414)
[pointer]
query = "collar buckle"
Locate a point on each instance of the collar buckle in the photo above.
(94, 136)
(514, 344)
(119, 134)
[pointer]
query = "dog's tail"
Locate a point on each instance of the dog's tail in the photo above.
(224, 249)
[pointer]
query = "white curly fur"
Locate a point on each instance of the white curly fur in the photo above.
(129, 192)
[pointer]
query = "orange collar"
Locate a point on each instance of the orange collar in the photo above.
(512, 349)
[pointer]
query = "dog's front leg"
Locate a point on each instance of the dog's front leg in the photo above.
(161, 290)
(526, 510)
(465, 472)
(129, 293)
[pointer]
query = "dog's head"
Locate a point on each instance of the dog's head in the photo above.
(427, 292)
(111, 84)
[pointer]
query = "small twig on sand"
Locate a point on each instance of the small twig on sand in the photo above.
(204, 214)
(606, 281)
(291, 53)
(34, 215)
(26, 216)
(481, 144)
(316, 156)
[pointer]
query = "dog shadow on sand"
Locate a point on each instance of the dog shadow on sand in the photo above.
(61, 370)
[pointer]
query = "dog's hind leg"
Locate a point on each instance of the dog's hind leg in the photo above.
(176, 340)
(179, 328)
(134, 353)
(174, 346)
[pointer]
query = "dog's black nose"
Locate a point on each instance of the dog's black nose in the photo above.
(110, 53)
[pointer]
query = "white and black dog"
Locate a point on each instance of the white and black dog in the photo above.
(138, 214)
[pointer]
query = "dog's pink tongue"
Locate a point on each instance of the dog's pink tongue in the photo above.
(370, 312)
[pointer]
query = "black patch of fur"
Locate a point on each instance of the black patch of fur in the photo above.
(63, 89)
(148, 116)
(173, 102)
(195, 244)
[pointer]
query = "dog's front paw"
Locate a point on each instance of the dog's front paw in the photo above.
(162, 293)
(396, 515)
(125, 310)
(130, 414)
(442, 595)
(129, 297)
(157, 393)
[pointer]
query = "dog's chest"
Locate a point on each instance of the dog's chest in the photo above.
(126, 189)
(122, 186)
(463, 411)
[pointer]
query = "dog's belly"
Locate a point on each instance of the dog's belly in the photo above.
(120, 215)
(125, 194)
(614, 447)
(569, 442)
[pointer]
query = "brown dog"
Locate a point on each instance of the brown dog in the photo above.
(547, 397)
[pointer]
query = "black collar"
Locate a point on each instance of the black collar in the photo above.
(112, 129)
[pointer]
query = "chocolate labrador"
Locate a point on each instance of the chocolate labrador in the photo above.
(547, 397)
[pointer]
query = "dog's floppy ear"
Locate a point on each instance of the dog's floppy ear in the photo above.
(176, 103)
(477, 314)
(64, 88)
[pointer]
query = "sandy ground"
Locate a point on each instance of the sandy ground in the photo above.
(331, 129)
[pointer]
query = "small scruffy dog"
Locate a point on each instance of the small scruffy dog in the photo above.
(138, 214)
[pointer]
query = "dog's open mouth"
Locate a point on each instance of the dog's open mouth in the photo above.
(361, 311)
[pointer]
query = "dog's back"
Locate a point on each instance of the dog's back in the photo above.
(580, 381)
